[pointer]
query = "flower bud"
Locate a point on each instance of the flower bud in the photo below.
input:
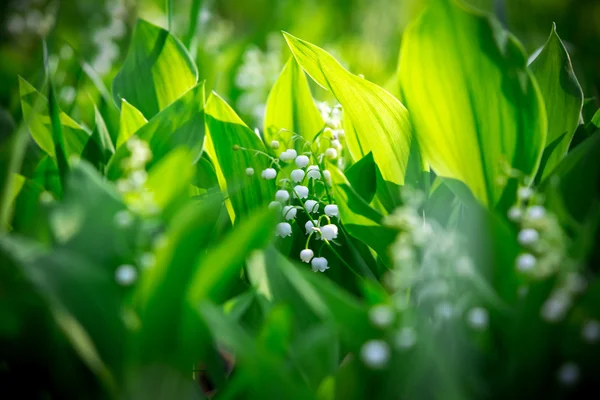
(528, 236)
(309, 226)
(331, 153)
(332, 210)
(301, 191)
(289, 212)
(319, 264)
(306, 255)
(274, 144)
(275, 205)
(329, 232)
(249, 171)
(282, 196)
(269, 173)
(283, 229)
(297, 175)
(312, 206)
(526, 262)
(302, 161)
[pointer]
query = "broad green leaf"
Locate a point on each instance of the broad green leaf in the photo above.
(374, 120)
(157, 71)
(99, 148)
(180, 124)
(226, 130)
(475, 106)
(60, 148)
(206, 176)
(221, 265)
(40, 124)
(563, 98)
(131, 120)
(361, 220)
(290, 108)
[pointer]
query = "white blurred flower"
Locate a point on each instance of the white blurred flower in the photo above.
(269, 173)
(568, 374)
(406, 338)
(147, 260)
(288, 155)
(275, 205)
(249, 171)
(297, 175)
(444, 310)
(375, 354)
(312, 206)
(274, 144)
(331, 153)
(126, 275)
(381, 315)
(515, 213)
(302, 161)
(536, 213)
(283, 229)
(555, 307)
(478, 318)
(591, 331)
(282, 196)
(332, 210)
(289, 212)
(524, 193)
(301, 191)
(123, 218)
(313, 172)
(526, 262)
(329, 232)
(309, 226)
(528, 236)
(319, 264)
(306, 255)
(327, 176)
(336, 144)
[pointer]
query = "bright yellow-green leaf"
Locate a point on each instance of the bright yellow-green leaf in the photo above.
(131, 120)
(169, 179)
(156, 72)
(40, 124)
(226, 130)
(374, 120)
(563, 98)
(475, 107)
(180, 124)
(291, 108)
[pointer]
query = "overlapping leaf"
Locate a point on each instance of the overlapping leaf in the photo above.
(156, 72)
(131, 120)
(374, 120)
(475, 107)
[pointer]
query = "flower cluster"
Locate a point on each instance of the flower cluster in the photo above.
(106, 38)
(304, 191)
(27, 19)
(132, 184)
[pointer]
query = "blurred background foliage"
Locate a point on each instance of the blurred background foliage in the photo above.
(238, 46)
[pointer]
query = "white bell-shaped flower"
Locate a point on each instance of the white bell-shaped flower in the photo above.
(331, 153)
(327, 176)
(331, 210)
(375, 354)
(301, 191)
(297, 175)
(319, 264)
(528, 236)
(283, 229)
(526, 262)
(126, 275)
(288, 155)
(309, 226)
(536, 213)
(269, 173)
(312, 206)
(302, 161)
(282, 196)
(329, 232)
(274, 144)
(249, 171)
(524, 193)
(306, 255)
(336, 144)
(289, 212)
(313, 172)
(515, 213)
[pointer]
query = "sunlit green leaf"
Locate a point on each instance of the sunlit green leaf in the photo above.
(475, 107)
(291, 108)
(226, 130)
(563, 98)
(131, 120)
(40, 124)
(156, 72)
(376, 121)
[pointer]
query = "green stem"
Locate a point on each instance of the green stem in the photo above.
(170, 15)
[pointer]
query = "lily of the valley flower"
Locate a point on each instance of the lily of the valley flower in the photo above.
(526, 262)
(283, 229)
(329, 232)
(309, 226)
(269, 173)
(289, 212)
(528, 236)
(274, 144)
(297, 175)
(319, 264)
(302, 161)
(126, 275)
(313, 172)
(282, 196)
(306, 255)
(312, 206)
(332, 210)
(249, 171)
(331, 153)
(301, 191)
(275, 204)
(288, 155)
